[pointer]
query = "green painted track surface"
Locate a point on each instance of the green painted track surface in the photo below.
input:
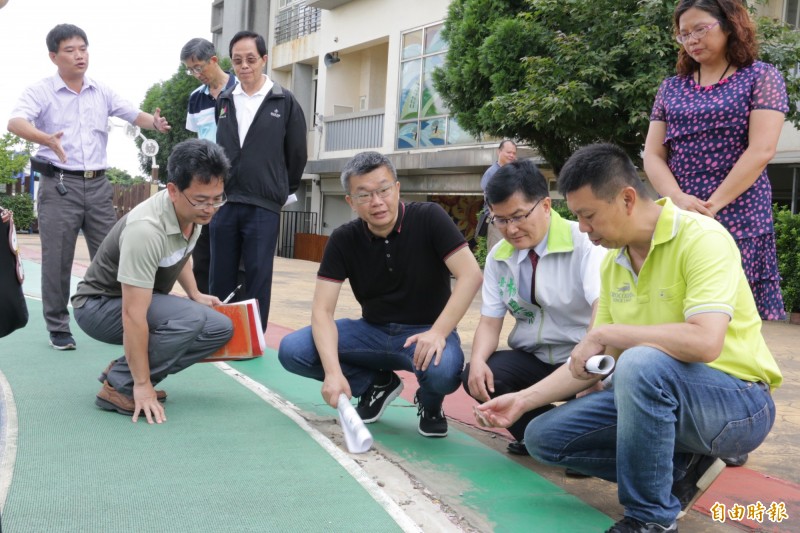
(507, 496)
(228, 461)
(224, 461)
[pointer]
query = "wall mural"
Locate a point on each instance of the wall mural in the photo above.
(463, 210)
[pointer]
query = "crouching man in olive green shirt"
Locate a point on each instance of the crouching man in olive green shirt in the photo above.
(124, 297)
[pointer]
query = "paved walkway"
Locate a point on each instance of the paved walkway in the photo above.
(293, 287)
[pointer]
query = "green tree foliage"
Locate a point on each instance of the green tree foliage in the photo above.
(14, 155)
(560, 74)
(120, 177)
(172, 97)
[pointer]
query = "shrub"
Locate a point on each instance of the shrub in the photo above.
(480, 251)
(560, 207)
(787, 243)
(22, 206)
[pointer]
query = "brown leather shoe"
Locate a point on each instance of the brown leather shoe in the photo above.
(160, 394)
(112, 400)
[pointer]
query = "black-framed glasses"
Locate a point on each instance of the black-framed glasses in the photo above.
(502, 222)
(205, 205)
(699, 33)
(197, 69)
(366, 197)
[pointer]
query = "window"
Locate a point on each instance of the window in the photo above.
(295, 19)
(423, 118)
(792, 14)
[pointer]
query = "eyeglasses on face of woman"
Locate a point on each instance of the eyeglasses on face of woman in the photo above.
(698, 34)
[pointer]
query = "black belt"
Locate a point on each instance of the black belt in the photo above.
(43, 166)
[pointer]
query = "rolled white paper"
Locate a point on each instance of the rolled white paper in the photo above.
(356, 435)
(599, 364)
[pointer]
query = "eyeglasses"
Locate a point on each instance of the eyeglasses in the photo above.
(205, 205)
(250, 60)
(502, 222)
(365, 197)
(699, 33)
(197, 69)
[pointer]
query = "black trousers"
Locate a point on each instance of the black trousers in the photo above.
(515, 370)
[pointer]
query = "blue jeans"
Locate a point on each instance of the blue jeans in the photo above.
(366, 350)
(643, 432)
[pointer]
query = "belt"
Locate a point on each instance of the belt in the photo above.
(43, 166)
(86, 174)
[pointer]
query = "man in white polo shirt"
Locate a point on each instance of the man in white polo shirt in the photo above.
(552, 314)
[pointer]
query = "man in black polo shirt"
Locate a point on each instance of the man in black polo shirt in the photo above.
(398, 258)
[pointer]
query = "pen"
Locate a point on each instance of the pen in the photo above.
(230, 296)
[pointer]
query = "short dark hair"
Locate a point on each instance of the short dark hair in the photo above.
(199, 49)
(261, 45)
(503, 143)
(605, 167)
(742, 47)
(364, 163)
(520, 176)
(196, 159)
(62, 32)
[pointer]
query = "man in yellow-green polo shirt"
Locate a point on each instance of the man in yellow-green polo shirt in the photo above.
(693, 376)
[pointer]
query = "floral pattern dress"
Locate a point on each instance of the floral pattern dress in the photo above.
(707, 132)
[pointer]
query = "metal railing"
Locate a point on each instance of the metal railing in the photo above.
(296, 21)
(293, 222)
(354, 131)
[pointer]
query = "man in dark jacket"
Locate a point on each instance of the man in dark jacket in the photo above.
(263, 131)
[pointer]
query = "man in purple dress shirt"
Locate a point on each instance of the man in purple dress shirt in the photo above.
(67, 116)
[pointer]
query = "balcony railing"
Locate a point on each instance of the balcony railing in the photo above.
(293, 222)
(296, 21)
(354, 131)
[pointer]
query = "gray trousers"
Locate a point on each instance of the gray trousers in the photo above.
(182, 332)
(88, 206)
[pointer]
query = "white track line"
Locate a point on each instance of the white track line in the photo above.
(8, 439)
(290, 410)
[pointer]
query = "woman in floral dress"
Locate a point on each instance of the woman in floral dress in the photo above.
(713, 129)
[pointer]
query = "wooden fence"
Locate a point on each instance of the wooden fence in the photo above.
(126, 197)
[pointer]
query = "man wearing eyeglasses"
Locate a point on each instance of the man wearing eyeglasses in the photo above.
(546, 275)
(201, 61)
(263, 131)
(125, 297)
(398, 258)
(67, 116)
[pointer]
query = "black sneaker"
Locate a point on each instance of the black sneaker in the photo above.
(517, 447)
(631, 525)
(735, 460)
(373, 403)
(432, 422)
(702, 472)
(61, 340)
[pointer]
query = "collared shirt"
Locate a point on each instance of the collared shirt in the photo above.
(146, 248)
(693, 267)
(567, 284)
(51, 107)
(200, 112)
(247, 106)
(401, 278)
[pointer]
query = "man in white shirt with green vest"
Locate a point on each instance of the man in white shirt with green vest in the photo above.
(538, 244)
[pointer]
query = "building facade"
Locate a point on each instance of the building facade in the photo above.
(361, 69)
